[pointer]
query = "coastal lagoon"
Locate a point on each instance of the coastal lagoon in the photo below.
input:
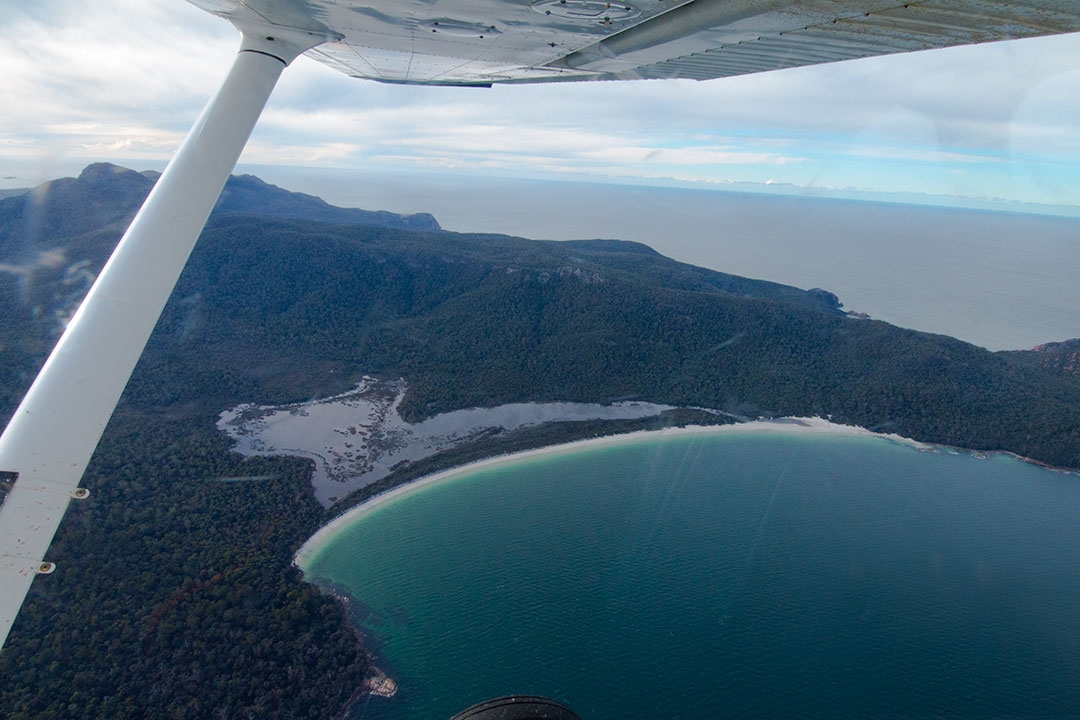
(357, 437)
(729, 573)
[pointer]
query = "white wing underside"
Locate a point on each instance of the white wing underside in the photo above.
(480, 42)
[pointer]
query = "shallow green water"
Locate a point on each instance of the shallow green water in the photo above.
(746, 575)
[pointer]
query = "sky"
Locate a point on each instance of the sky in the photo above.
(122, 81)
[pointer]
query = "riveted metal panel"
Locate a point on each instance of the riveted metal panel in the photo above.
(469, 42)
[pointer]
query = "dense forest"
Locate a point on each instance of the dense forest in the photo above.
(268, 309)
(174, 595)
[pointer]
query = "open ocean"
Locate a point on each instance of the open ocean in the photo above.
(727, 575)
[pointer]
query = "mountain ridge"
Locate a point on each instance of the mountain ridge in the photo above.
(108, 196)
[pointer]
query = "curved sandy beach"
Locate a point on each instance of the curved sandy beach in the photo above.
(781, 425)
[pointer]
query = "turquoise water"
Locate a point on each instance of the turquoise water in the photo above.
(739, 575)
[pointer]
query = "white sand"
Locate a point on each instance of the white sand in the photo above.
(358, 437)
(781, 425)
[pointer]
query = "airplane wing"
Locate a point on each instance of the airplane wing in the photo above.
(480, 42)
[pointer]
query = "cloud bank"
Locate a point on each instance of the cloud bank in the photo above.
(122, 80)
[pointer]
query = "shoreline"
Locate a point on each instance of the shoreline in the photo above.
(810, 425)
(356, 438)
(380, 684)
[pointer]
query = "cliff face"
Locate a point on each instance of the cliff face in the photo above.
(1062, 356)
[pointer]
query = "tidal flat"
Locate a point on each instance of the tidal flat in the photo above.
(358, 437)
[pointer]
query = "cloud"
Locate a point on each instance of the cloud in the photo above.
(70, 63)
(123, 79)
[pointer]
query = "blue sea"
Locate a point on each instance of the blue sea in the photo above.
(726, 575)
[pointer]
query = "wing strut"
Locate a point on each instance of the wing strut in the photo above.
(56, 428)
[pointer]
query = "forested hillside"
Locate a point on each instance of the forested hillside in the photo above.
(174, 595)
(267, 309)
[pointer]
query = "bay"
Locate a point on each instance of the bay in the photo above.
(725, 574)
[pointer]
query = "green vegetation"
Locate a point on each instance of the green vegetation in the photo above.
(274, 311)
(174, 594)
